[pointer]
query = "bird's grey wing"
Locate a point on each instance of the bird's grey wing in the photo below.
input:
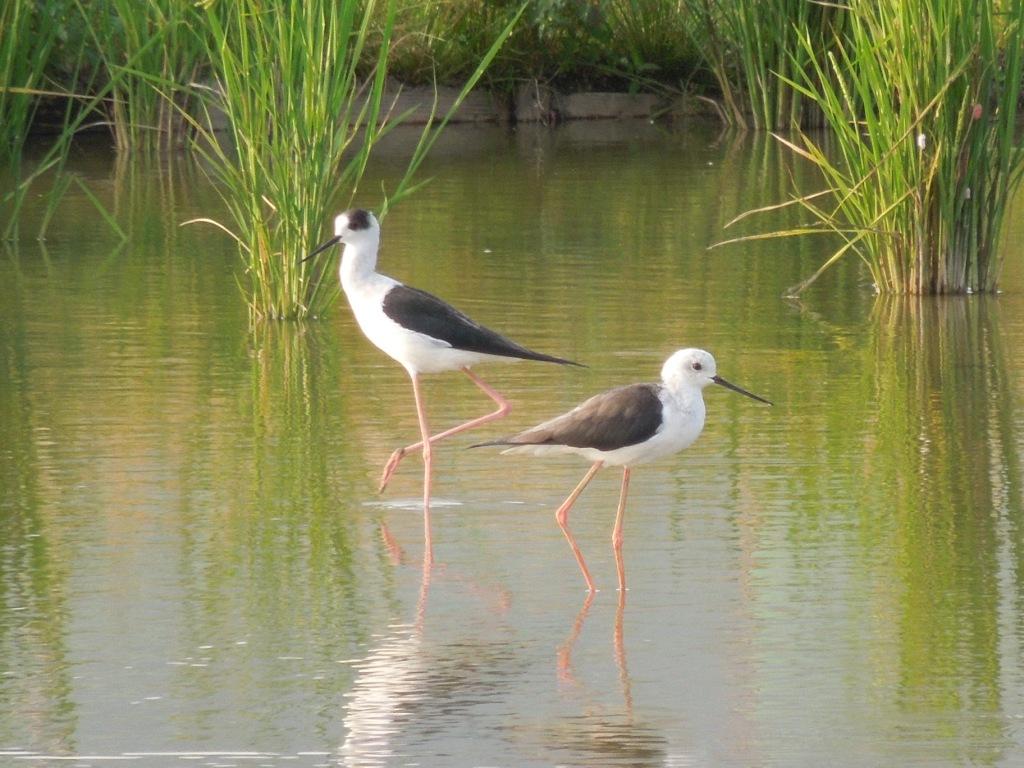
(614, 419)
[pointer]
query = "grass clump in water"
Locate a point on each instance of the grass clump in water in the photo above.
(303, 121)
(922, 99)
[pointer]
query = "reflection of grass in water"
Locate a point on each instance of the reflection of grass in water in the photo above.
(283, 517)
(34, 570)
(946, 469)
(906, 529)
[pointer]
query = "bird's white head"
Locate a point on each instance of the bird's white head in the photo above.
(356, 228)
(689, 368)
(695, 369)
(355, 225)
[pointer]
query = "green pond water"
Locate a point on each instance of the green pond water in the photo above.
(196, 568)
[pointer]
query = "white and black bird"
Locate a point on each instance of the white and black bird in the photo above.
(625, 426)
(420, 331)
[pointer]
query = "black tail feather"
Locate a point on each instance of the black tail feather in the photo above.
(529, 354)
(500, 441)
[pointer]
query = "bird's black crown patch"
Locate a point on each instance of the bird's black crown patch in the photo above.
(358, 219)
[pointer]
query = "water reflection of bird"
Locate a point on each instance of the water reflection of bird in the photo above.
(565, 649)
(411, 690)
(603, 735)
(418, 330)
(628, 425)
(387, 682)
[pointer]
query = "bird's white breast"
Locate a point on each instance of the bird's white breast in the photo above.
(682, 422)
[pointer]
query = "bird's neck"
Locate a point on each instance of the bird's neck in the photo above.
(358, 262)
(687, 398)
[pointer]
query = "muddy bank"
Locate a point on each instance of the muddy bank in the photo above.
(536, 103)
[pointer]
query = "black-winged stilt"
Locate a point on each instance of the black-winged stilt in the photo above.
(625, 426)
(421, 332)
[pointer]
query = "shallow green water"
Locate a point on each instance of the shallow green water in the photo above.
(195, 566)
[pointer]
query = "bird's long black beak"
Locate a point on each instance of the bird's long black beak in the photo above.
(321, 248)
(728, 385)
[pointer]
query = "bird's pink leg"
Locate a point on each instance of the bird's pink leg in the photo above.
(421, 413)
(562, 518)
(617, 531)
(400, 453)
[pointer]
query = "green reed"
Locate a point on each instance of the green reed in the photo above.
(594, 44)
(25, 47)
(753, 47)
(27, 39)
(33, 33)
(28, 36)
(652, 39)
(444, 40)
(287, 81)
(921, 162)
(305, 109)
(164, 41)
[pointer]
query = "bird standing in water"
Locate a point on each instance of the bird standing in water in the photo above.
(421, 332)
(625, 426)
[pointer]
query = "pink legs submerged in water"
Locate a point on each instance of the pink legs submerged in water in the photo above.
(562, 518)
(427, 440)
(617, 536)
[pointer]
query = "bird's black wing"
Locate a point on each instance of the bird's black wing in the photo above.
(425, 313)
(614, 419)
